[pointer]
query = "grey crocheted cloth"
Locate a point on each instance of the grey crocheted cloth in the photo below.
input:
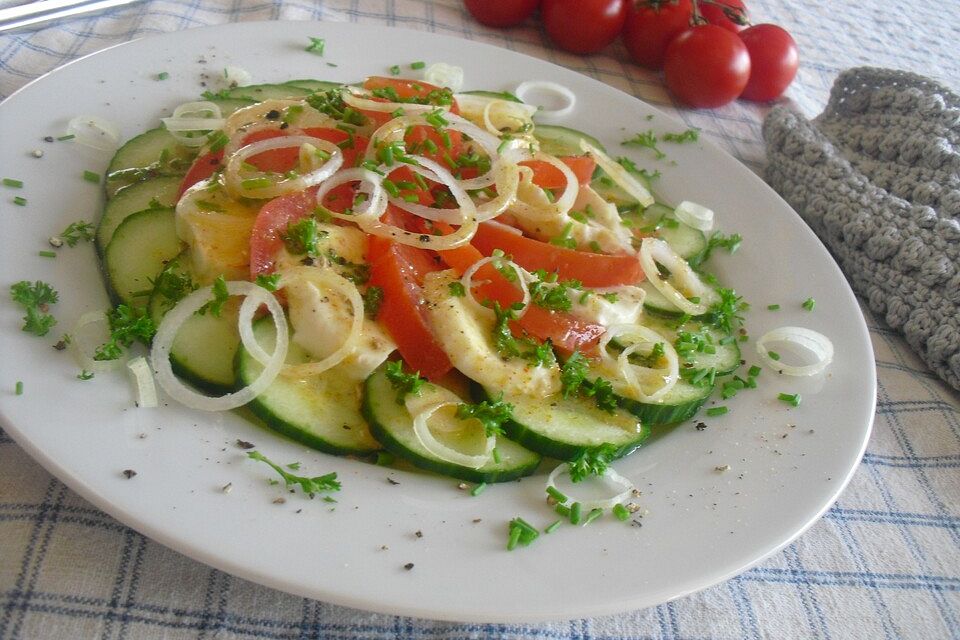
(877, 177)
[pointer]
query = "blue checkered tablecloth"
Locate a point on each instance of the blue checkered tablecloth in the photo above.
(884, 562)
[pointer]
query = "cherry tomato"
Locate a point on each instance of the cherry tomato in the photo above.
(501, 13)
(773, 61)
(651, 25)
(706, 66)
(719, 12)
(583, 26)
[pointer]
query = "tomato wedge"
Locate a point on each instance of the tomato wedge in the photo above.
(266, 238)
(399, 270)
(547, 176)
(565, 331)
(591, 269)
(406, 89)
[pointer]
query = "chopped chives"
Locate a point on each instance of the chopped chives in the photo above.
(163, 75)
(557, 495)
(773, 307)
(495, 452)
(19, 388)
(809, 304)
(69, 136)
(395, 70)
(218, 140)
(91, 176)
(514, 537)
(726, 340)
(562, 510)
(418, 64)
(391, 187)
(553, 526)
(593, 515)
(411, 197)
(620, 512)
(46, 254)
(716, 411)
(575, 510)
(773, 355)
(477, 490)
(793, 399)
(255, 183)
(10, 182)
(316, 45)
(19, 201)
(754, 371)
(384, 458)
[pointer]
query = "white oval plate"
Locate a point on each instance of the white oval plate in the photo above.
(787, 465)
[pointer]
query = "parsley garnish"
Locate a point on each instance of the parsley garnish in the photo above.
(220, 296)
(357, 273)
(631, 166)
(457, 289)
(36, 299)
(546, 292)
(592, 461)
(647, 140)
(316, 45)
(573, 374)
(509, 346)
(602, 392)
(77, 231)
(491, 414)
(725, 313)
(372, 299)
(268, 281)
(716, 240)
(564, 240)
(85, 375)
(173, 284)
(404, 383)
(690, 135)
(127, 324)
(310, 486)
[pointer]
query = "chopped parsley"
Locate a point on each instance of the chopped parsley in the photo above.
(36, 298)
(404, 383)
(546, 292)
(573, 373)
(491, 414)
(77, 231)
(716, 240)
(395, 70)
(163, 75)
(173, 284)
(268, 281)
(220, 296)
(302, 237)
(631, 166)
(310, 486)
(316, 45)
(592, 461)
(355, 272)
(602, 392)
(457, 289)
(510, 346)
(690, 135)
(647, 140)
(372, 299)
(127, 324)
(809, 304)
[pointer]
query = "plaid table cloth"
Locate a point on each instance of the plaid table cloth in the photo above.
(884, 562)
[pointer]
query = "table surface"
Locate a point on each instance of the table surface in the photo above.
(884, 561)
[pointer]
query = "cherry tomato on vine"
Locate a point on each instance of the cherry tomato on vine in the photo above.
(501, 13)
(583, 26)
(719, 12)
(651, 25)
(706, 66)
(773, 61)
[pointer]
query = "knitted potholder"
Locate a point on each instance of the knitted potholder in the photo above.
(877, 177)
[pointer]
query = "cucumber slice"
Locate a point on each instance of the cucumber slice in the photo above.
(725, 357)
(500, 95)
(141, 247)
(229, 105)
(392, 425)
(679, 404)
(659, 218)
(322, 411)
(610, 191)
(206, 345)
(151, 154)
(261, 92)
(314, 85)
(161, 190)
(563, 141)
(657, 304)
(562, 428)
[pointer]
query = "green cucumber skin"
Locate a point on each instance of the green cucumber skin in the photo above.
(658, 414)
(167, 246)
(118, 208)
(500, 95)
(563, 141)
(551, 447)
(314, 85)
(261, 92)
(382, 433)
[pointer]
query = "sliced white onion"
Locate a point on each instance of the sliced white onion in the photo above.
(353, 97)
(326, 280)
(654, 251)
(641, 337)
(817, 343)
(694, 215)
(191, 118)
(495, 114)
(371, 184)
(603, 503)
(255, 114)
(523, 278)
(174, 319)
(143, 381)
(233, 180)
(94, 132)
(550, 210)
(236, 76)
(529, 90)
(619, 175)
(422, 408)
(91, 330)
(436, 172)
(444, 75)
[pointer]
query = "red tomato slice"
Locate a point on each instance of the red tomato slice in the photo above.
(567, 332)
(547, 176)
(405, 89)
(266, 238)
(201, 169)
(403, 176)
(416, 144)
(399, 270)
(592, 269)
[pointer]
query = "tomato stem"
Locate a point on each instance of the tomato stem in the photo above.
(736, 15)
